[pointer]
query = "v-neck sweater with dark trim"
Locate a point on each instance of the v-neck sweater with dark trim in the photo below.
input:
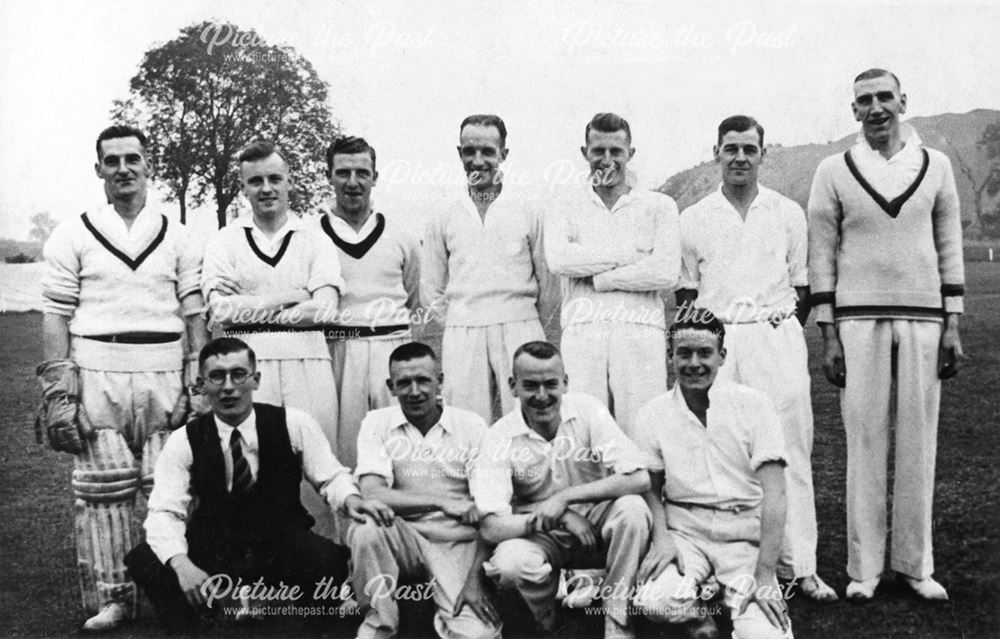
(107, 281)
(865, 263)
(381, 282)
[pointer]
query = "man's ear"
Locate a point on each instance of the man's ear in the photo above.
(631, 152)
(256, 380)
(374, 178)
(902, 103)
(503, 154)
(583, 152)
(513, 385)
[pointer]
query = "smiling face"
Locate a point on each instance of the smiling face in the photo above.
(540, 385)
(124, 167)
(481, 151)
(607, 153)
(696, 357)
(416, 384)
(740, 155)
(266, 184)
(353, 177)
(229, 381)
(877, 105)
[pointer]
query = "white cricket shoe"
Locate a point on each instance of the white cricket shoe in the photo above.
(110, 617)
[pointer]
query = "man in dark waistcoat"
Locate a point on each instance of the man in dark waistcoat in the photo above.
(226, 513)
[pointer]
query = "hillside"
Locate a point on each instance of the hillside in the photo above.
(789, 170)
(9, 248)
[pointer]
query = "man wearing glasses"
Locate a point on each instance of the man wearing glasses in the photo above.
(243, 463)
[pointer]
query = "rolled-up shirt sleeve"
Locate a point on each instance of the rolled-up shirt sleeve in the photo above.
(189, 258)
(166, 521)
(325, 270)
(331, 479)
(491, 483)
(61, 282)
(643, 431)
(373, 455)
(767, 440)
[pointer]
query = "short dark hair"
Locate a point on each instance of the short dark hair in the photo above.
(693, 318)
(411, 351)
(121, 131)
(486, 119)
(607, 123)
(871, 74)
(537, 349)
(348, 145)
(226, 346)
(739, 124)
(259, 150)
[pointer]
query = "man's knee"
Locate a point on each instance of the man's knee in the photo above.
(629, 514)
(670, 598)
(518, 560)
(361, 536)
(752, 624)
(464, 626)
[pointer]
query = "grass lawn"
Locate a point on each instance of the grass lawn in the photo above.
(38, 591)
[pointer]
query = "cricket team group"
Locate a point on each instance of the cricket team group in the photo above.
(313, 441)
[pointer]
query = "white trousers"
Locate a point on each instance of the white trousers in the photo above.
(876, 353)
(775, 361)
(717, 542)
(623, 365)
(477, 362)
(386, 556)
(306, 384)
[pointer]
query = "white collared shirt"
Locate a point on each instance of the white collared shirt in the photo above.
(347, 232)
(745, 270)
(712, 465)
(166, 522)
(269, 244)
(439, 462)
(518, 466)
(614, 263)
(893, 176)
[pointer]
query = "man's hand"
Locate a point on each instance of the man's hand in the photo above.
(548, 512)
(578, 526)
(950, 353)
(360, 510)
(225, 286)
(769, 597)
(190, 578)
(662, 551)
(463, 510)
(833, 358)
(474, 596)
(178, 415)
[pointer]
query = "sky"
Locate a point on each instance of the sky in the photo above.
(404, 74)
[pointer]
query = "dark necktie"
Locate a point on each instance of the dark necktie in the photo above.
(242, 478)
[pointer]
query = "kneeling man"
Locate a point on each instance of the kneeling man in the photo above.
(416, 458)
(717, 468)
(558, 484)
(243, 463)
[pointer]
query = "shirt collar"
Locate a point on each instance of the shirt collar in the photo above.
(343, 228)
(107, 215)
(763, 196)
(681, 403)
(398, 420)
(519, 427)
(907, 134)
(245, 427)
(292, 223)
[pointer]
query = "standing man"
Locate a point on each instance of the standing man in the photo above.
(886, 272)
(744, 258)
(717, 462)
(273, 283)
(121, 286)
(483, 273)
(416, 458)
(616, 249)
(558, 485)
(226, 499)
(380, 264)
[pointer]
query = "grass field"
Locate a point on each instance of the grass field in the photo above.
(38, 589)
